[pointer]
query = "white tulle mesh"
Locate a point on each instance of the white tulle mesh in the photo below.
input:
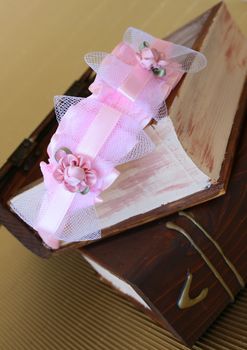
(161, 112)
(143, 147)
(135, 37)
(62, 104)
(21, 204)
(94, 59)
(80, 112)
(80, 224)
(187, 60)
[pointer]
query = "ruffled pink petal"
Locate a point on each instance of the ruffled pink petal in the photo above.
(91, 178)
(75, 172)
(47, 171)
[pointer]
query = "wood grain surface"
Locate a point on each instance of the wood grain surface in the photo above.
(203, 121)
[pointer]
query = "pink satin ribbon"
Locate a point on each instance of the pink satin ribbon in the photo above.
(139, 77)
(135, 82)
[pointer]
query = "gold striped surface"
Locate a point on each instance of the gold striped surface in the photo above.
(59, 304)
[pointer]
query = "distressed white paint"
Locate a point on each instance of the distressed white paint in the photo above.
(164, 176)
(117, 282)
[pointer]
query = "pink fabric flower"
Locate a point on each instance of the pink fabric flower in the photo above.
(150, 58)
(75, 172)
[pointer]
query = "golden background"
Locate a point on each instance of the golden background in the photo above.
(59, 304)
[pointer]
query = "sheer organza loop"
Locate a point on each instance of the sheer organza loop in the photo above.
(80, 224)
(135, 37)
(94, 59)
(62, 103)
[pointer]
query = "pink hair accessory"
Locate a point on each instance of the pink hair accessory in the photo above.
(91, 139)
(98, 133)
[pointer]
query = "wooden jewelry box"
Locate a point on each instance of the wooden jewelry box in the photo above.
(182, 266)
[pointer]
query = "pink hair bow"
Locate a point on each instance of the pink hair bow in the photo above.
(142, 70)
(91, 140)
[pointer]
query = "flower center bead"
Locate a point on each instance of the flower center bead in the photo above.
(74, 171)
